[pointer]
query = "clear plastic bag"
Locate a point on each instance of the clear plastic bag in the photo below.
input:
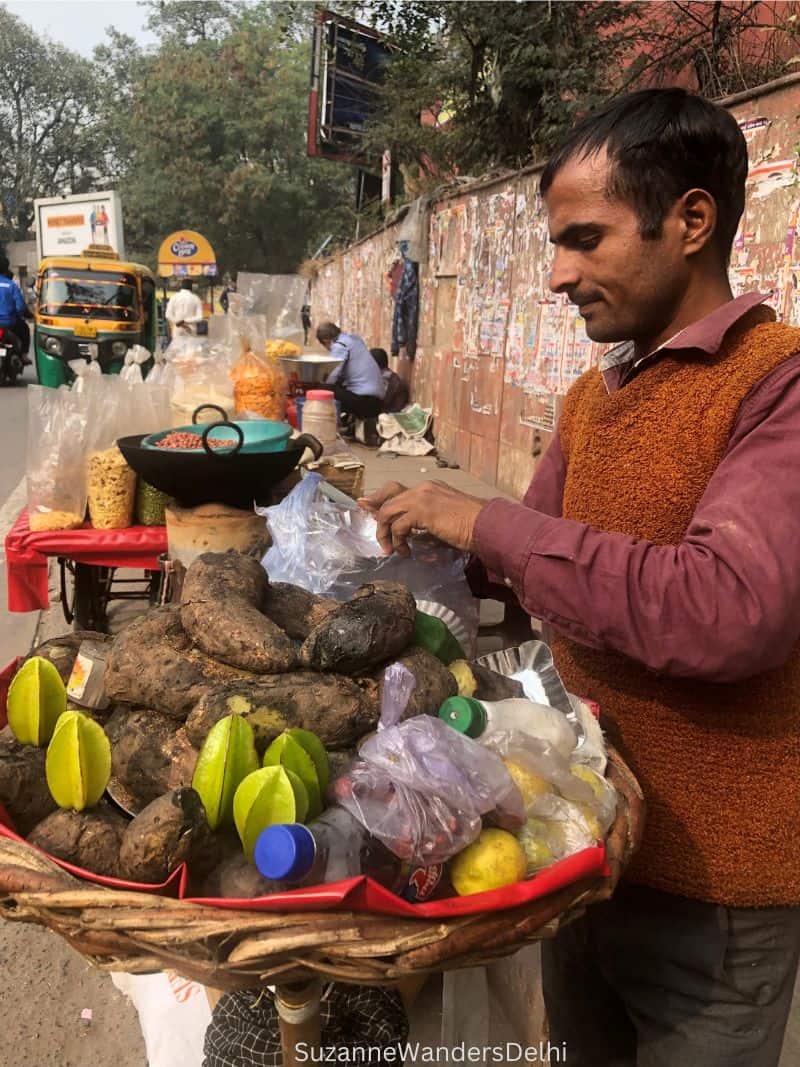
(56, 457)
(315, 541)
(533, 762)
(564, 831)
(422, 790)
(200, 372)
(111, 482)
(260, 383)
(398, 685)
(86, 373)
(136, 356)
(332, 548)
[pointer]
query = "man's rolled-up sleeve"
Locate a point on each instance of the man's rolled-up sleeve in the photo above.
(722, 605)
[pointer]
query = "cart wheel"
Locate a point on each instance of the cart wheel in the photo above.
(90, 599)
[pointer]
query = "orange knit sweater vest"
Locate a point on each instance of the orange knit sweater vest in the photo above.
(719, 764)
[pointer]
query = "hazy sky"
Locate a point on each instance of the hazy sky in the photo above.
(81, 24)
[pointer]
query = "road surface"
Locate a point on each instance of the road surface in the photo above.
(44, 985)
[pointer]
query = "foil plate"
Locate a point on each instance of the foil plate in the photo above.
(531, 664)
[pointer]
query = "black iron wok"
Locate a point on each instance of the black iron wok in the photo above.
(233, 478)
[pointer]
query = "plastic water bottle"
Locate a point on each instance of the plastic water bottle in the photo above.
(481, 718)
(334, 847)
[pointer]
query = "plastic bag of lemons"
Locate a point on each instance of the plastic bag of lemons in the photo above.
(568, 805)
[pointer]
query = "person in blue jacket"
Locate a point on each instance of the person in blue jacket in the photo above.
(13, 309)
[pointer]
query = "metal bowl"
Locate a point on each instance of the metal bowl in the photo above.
(310, 367)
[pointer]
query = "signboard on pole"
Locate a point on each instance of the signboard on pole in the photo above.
(348, 62)
(66, 225)
(186, 254)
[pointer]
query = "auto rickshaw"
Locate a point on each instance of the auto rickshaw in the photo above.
(92, 306)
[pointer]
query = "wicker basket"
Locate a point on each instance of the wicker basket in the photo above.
(227, 949)
(349, 480)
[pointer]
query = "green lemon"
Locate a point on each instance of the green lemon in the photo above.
(78, 762)
(228, 755)
(535, 838)
(494, 860)
(37, 698)
(265, 797)
(286, 751)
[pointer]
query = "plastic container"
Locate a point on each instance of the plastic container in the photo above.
(318, 417)
(481, 718)
(332, 848)
(299, 403)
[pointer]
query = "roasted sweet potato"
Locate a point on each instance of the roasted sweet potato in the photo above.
(494, 686)
(152, 664)
(61, 651)
(170, 831)
(335, 708)
(150, 754)
(222, 603)
(23, 786)
(295, 610)
(90, 839)
(374, 626)
(434, 681)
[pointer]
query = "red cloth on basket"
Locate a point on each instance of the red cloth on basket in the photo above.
(27, 554)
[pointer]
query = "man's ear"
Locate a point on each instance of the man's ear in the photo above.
(698, 213)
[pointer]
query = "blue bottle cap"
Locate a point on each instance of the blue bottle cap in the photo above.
(285, 853)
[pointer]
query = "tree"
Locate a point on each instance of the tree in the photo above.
(478, 86)
(211, 136)
(191, 20)
(719, 48)
(494, 81)
(50, 139)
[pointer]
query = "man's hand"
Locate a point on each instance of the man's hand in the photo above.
(444, 512)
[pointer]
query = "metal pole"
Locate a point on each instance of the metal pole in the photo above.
(299, 1019)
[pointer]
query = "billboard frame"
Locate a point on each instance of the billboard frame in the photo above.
(112, 199)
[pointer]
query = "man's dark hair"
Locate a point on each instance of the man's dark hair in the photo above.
(3, 264)
(187, 284)
(327, 332)
(381, 357)
(661, 143)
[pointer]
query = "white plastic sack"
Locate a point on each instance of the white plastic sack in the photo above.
(173, 1013)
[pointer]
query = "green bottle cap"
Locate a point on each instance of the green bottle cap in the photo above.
(464, 714)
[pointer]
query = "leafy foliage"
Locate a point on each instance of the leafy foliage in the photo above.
(484, 85)
(211, 136)
(51, 139)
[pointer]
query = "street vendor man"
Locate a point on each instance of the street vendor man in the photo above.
(660, 543)
(357, 381)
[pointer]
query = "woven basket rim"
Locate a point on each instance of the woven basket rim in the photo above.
(229, 949)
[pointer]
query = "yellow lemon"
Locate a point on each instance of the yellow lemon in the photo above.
(592, 824)
(495, 859)
(529, 784)
(592, 778)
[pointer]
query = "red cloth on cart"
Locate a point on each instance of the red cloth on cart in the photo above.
(27, 554)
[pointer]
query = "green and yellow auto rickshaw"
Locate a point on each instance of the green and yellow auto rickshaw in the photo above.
(91, 307)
